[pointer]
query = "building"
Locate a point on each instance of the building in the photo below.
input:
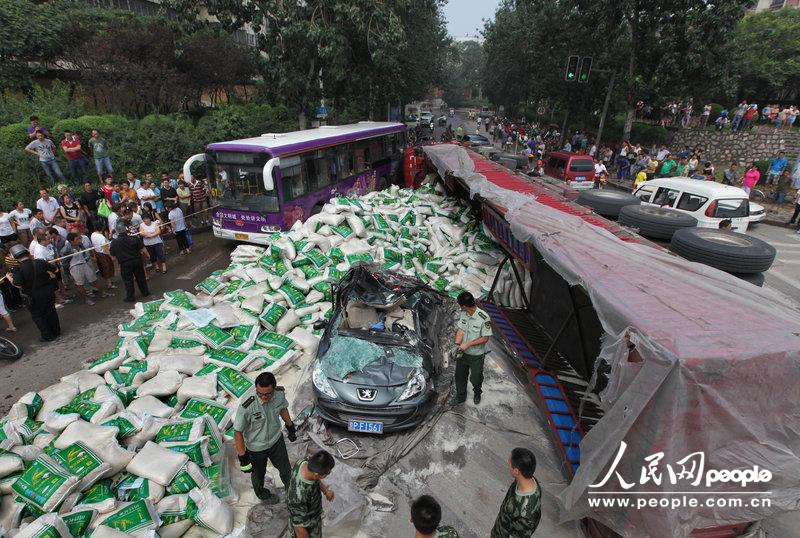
(764, 5)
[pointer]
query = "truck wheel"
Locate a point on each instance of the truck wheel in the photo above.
(728, 251)
(607, 203)
(655, 222)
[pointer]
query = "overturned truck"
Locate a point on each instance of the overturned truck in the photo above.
(665, 380)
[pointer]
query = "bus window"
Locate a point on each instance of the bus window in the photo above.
(376, 150)
(345, 160)
(316, 168)
(292, 178)
(333, 165)
(362, 157)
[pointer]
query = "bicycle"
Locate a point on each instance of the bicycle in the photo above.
(757, 195)
(9, 350)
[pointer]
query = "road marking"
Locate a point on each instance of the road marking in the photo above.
(197, 268)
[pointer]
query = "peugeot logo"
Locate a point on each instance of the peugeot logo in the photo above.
(366, 395)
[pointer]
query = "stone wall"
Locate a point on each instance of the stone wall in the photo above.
(723, 147)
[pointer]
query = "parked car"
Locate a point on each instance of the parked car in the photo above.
(379, 355)
(574, 169)
(485, 111)
(426, 116)
(442, 120)
(473, 140)
(707, 201)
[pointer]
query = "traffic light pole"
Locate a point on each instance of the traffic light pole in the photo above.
(605, 110)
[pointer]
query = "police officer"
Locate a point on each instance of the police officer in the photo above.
(474, 330)
(127, 249)
(257, 434)
(36, 278)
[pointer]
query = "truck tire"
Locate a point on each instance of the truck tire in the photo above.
(511, 164)
(522, 160)
(728, 251)
(607, 203)
(655, 222)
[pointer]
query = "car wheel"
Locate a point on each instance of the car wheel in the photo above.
(655, 222)
(728, 251)
(756, 279)
(607, 203)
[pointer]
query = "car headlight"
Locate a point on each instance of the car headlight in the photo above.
(415, 385)
(322, 383)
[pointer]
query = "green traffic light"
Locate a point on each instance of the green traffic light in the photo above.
(571, 75)
(583, 77)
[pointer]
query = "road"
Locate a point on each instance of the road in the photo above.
(784, 275)
(89, 331)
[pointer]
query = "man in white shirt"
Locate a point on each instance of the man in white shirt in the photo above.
(113, 218)
(146, 194)
(60, 224)
(662, 153)
(48, 205)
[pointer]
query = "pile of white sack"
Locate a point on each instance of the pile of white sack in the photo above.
(136, 443)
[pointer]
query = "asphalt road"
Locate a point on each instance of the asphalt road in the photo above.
(784, 275)
(89, 331)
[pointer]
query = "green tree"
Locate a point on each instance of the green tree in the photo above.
(463, 72)
(767, 59)
(368, 51)
(30, 35)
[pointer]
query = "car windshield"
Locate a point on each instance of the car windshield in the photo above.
(478, 138)
(347, 355)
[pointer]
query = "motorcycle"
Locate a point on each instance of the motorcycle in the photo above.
(9, 350)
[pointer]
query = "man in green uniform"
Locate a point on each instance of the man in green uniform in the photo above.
(474, 330)
(459, 132)
(522, 507)
(305, 494)
(425, 516)
(257, 434)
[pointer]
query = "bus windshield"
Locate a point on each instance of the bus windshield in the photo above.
(239, 181)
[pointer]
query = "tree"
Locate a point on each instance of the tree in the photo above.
(463, 72)
(767, 59)
(29, 36)
(368, 51)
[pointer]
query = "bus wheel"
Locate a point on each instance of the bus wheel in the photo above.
(382, 183)
(316, 209)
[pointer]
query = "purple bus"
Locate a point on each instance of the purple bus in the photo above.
(267, 183)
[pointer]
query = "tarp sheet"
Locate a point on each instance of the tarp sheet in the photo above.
(715, 371)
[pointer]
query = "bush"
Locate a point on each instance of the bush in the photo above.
(647, 134)
(716, 108)
(14, 135)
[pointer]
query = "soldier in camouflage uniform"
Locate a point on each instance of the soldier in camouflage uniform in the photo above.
(474, 331)
(522, 507)
(305, 495)
(426, 515)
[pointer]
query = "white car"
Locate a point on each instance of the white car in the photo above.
(426, 117)
(707, 201)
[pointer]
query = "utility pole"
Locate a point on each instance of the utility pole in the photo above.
(605, 110)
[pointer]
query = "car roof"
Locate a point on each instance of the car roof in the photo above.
(711, 189)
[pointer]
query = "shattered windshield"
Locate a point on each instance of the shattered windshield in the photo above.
(347, 355)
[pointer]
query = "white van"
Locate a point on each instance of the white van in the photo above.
(707, 201)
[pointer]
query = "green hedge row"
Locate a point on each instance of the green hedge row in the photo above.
(151, 144)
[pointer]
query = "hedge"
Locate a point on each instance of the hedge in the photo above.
(151, 144)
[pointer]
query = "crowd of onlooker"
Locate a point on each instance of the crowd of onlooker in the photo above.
(73, 229)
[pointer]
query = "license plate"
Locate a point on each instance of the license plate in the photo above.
(364, 426)
(580, 178)
(241, 236)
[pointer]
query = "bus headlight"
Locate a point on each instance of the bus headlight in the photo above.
(216, 222)
(269, 229)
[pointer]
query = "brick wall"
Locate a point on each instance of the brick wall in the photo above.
(723, 147)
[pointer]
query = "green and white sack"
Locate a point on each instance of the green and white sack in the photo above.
(48, 525)
(99, 497)
(233, 358)
(212, 513)
(187, 479)
(128, 488)
(132, 518)
(45, 484)
(157, 463)
(187, 429)
(81, 461)
(79, 521)
(219, 413)
(197, 387)
(213, 336)
(10, 463)
(164, 383)
(271, 315)
(196, 450)
(233, 382)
